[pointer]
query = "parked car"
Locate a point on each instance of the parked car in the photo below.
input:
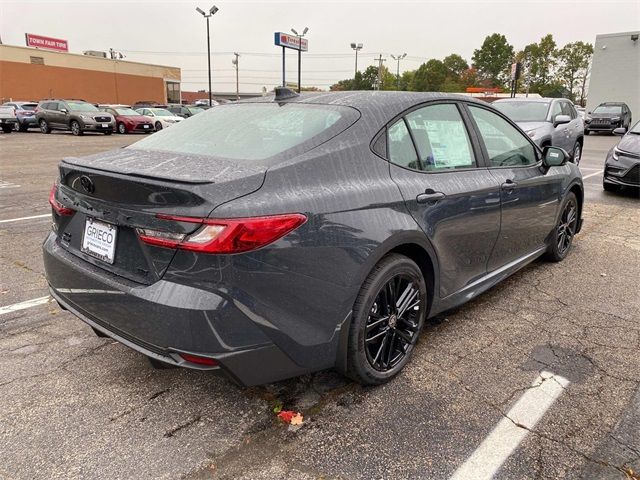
(161, 117)
(128, 120)
(185, 111)
(622, 166)
(25, 114)
(8, 118)
(148, 104)
(75, 115)
(304, 232)
(548, 121)
(608, 116)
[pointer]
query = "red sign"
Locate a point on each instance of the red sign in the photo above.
(38, 41)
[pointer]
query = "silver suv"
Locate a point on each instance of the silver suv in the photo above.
(548, 122)
(75, 115)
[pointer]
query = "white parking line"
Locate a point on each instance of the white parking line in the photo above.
(24, 305)
(25, 218)
(592, 174)
(487, 459)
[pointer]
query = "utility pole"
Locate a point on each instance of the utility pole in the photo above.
(397, 59)
(235, 63)
(380, 60)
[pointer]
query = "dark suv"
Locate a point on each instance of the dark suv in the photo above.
(184, 111)
(75, 115)
(608, 116)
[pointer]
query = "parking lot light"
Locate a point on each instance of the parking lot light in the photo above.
(356, 47)
(212, 11)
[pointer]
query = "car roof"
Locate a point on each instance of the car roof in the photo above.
(532, 100)
(389, 103)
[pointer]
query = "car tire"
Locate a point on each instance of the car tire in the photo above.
(610, 187)
(382, 335)
(44, 126)
(99, 333)
(108, 132)
(75, 128)
(586, 132)
(565, 229)
(577, 153)
(122, 129)
(22, 127)
(158, 126)
(7, 128)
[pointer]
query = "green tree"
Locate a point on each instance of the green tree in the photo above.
(574, 60)
(406, 79)
(541, 60)
(430, 77)
(455, 65)
(493, 59)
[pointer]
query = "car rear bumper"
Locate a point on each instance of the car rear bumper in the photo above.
(165, 319)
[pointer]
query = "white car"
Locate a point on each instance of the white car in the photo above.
(162, 118)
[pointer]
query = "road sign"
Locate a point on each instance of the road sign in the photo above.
(287, 40)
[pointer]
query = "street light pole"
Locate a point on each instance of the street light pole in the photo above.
(397, 59)
(304, 32)
(356, 47)
(235, 62)
(212, 11)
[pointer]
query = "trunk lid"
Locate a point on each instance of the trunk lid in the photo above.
(127, 188)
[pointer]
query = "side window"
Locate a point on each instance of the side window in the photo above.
(556, 110)
(54, 106)
(504, 143)
(401, 149)
(441, 138)
(567, 109)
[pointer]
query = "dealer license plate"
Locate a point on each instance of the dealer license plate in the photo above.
(99, 240)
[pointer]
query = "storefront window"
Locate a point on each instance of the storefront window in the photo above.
(173, 92)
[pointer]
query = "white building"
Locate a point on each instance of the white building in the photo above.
(615, 73)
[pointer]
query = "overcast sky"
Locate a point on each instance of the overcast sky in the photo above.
(173, 33)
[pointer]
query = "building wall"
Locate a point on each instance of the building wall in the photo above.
(615, 73)
(94, 79)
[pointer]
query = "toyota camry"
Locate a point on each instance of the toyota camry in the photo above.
(294, 233)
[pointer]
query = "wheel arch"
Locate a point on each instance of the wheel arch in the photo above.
(413, 246)
(578, 191)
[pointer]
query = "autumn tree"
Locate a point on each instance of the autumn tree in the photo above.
(493, 58)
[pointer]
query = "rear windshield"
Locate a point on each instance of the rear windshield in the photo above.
(524, 111)
(252, 131)
(28, 106)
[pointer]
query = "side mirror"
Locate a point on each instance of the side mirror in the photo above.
(64, 110)
(620, 131)
(560, 119)
(554, 157)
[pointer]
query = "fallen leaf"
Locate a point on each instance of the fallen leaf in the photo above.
(277, 408)
(297, 419)
(286, 415)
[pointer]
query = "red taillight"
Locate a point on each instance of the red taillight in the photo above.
(231, 235)
(210, 362)
(56, 205)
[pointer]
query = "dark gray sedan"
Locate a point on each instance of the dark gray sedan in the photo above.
(622, 166)
(274, 237)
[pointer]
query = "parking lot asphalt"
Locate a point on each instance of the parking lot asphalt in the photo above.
(537, 378)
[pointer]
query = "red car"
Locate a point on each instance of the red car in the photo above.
(128, 120)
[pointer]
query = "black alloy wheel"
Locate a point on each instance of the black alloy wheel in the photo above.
(565, 230)
(387, 319)
(391, 327)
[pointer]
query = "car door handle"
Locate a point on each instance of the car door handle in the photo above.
(508, 185)
(430, 196)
